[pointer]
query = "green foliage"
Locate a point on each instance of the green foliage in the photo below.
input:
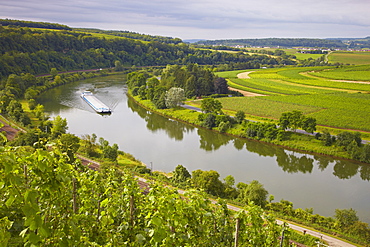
(174, 97)
(28, 51)
(261, 130)
(195, 80)
(345, 224)
(118, 65)
(69, 144)
(209, 121)
(327, 139)
(181, 176)
(224, 126)
(47, 200)
(210, 105)
(240, 116)
(54, 72)
(59, 127)
(221, 86)
(295, 120)
(253, 192)
(345, 139)
(208, 181)
(346, 217)
(32, 24)
(110, 152)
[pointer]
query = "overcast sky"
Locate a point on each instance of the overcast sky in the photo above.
(204, 19)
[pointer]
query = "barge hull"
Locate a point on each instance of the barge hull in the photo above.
(95, 103)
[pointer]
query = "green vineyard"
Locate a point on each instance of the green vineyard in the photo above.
(336, 97)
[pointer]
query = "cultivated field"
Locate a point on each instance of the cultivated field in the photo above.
(347, 57)
(336, 97)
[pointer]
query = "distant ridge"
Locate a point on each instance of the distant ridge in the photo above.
(193, 40)
(20, 23)
(332, 43)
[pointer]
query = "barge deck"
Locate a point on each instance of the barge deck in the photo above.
(95, 103)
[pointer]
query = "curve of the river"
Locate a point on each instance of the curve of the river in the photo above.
(309, 181)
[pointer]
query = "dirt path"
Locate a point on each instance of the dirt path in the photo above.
(244, 75)
(246, 93)
(10, 132)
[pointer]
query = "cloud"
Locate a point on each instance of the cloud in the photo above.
(203, 18)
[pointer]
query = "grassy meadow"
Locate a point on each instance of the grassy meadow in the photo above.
(313, 90)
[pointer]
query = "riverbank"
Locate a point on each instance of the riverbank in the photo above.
(294, 141)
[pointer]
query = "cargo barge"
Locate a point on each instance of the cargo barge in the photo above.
(96, 104)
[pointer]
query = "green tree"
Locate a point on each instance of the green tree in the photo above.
(39, 112)
(308, 124)
(53, 72)
(345, 138)
(220, 85)
(174, 97)
(181, 175)
(152, 82)
(69, 144)
(327, 139)
(210, 105)
(295, 119)
(209, 121)
(111, 152)
(240, 116)
(346, 217)
(208, 181)
(229, 180)
(254, 192)
(160, 102)
(118, 65)
(190, 87)
(59, 126)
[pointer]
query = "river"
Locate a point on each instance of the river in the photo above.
(309, 181)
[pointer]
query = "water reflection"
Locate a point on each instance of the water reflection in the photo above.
(323, 162)
(365, 172)
(211, 141)
(345, 170)
(154, 122)
(288, 161)
(239, 143)
(292, 163)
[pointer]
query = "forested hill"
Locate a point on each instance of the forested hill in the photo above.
(278, 42)
(32, 24)
(36, 51)
(131, 35)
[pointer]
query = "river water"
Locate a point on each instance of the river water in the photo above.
(309, 181)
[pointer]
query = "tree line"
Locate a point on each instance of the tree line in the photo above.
(278, 42)
(33, 24)
(176, 83)
(132, 35)
(23, 50)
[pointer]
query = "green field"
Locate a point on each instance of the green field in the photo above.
(301, 56)
(351, 73)
(333, 103)
(347, 57)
